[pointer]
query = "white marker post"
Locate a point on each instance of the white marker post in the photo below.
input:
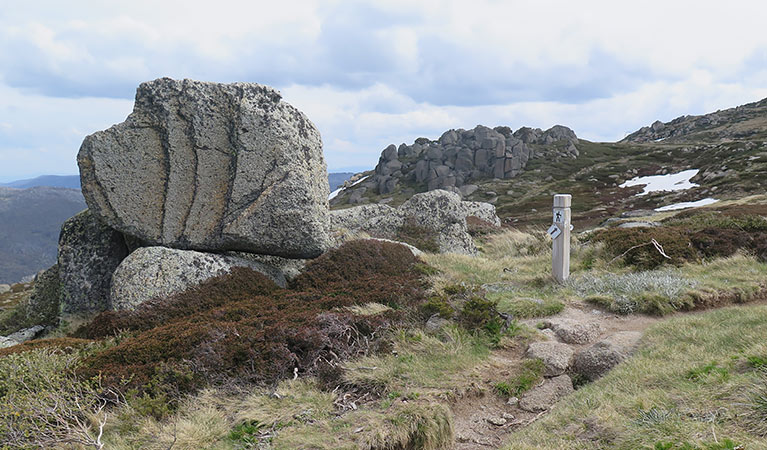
(560, 235)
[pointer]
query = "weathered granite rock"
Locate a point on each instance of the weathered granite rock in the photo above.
(152, 272)
(43, 306)
(438, 213)
(210, 166)
(89, 252)
(598, 359)
(573, 331)
(26, 334)
(556, 356)
(7, 342)
(460, 156)
(20, 336)
(290, 268)
(5, 288)
(541, 398)
(482, 210)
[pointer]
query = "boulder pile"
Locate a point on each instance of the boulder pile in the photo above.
(459, 157)
(439, 215)
(202, 178)
(199, 179)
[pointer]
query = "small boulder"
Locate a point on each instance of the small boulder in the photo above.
(542, 397)
(556, 356)
(436, 323)
(156, 272)
(598, 359)
(439, 213)
(5, 288)
(573, 331)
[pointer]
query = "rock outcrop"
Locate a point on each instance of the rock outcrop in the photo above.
(440, 215)
(459, 156)
(211, 167)
(89, 252)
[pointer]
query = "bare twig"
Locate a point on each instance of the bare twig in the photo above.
(653, 242)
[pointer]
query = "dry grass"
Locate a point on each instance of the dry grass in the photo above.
(419, 362)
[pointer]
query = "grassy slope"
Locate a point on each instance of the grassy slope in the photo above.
(690, 383)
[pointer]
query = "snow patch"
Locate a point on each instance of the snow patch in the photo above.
(671, 182)
(335, 193)
(685, 205)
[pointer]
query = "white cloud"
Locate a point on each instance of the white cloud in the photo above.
(372, 73)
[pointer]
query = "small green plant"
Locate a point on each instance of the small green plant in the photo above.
(503, 389)
(757, 362)
(529, 374)
(701, 372)
(654, 416)
(725, 444)
(245, 434)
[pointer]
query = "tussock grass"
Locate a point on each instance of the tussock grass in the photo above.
(672, 391)
(419, 361)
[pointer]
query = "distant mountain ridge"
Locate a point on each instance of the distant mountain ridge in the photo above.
(30, 221)
(73, 181)
(62, 181)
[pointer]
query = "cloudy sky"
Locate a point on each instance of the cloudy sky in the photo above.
(376, 72)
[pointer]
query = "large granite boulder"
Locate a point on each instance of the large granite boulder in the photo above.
(209, 166)
(157, 272)
(89, 252)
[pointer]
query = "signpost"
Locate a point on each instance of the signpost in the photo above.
(560, 235)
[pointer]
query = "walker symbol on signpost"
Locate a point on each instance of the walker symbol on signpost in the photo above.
(560, 235)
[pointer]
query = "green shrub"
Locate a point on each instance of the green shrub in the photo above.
(437, 305)
(757, 362)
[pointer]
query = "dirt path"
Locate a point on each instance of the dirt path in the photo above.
(485, 419)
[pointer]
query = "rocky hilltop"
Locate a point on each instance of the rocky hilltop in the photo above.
(747, 121)
(458, 159)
